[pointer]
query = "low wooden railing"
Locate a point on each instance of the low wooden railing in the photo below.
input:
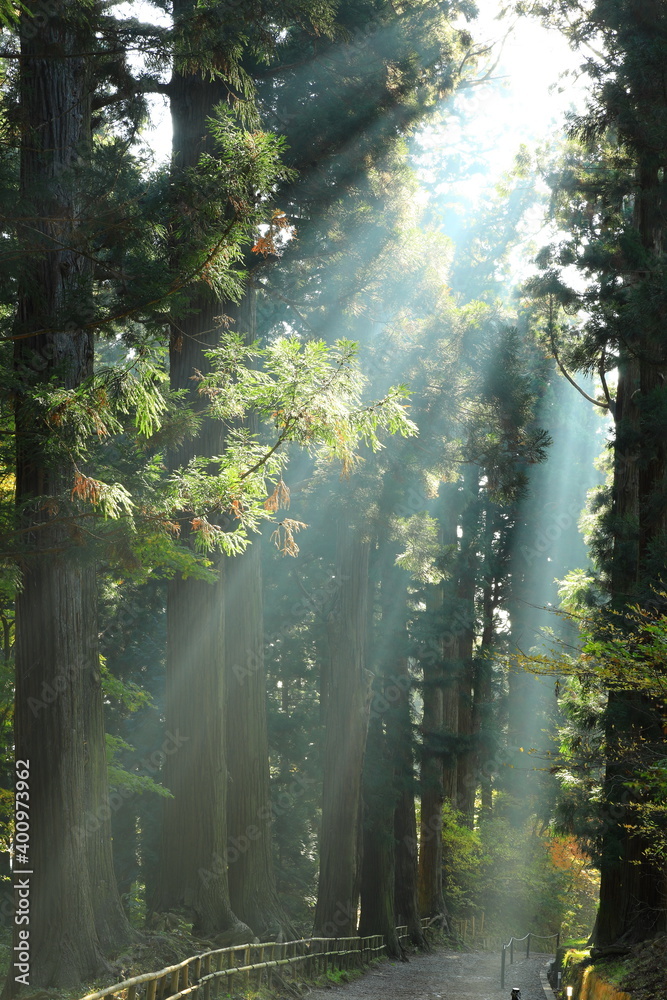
(469, 928)
(201, 976)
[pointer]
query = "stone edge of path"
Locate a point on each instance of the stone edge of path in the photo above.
(546, 985)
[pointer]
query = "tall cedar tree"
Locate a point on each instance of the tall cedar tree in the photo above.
(252, 882)
(194, 866)
(386, 71)
(193, 870)
(624, 261)
(75, 914)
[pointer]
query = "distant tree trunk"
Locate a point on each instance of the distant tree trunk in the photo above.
(482, 704)
(431, 783)
(58, 700)
(400, 738)
(346, 721)
(525, 705)
(437, 779)
(386, 637)
(467, 777)
(432, 793)
(450, 623)
(193, 863)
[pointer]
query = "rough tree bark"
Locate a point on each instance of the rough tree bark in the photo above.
(437, 778)
(377, 869)
(399, 735)
(466, 772)
(193, 863)
(75, 913)
(633, 886)
(378, 873)
(346, 711)
(252, 884)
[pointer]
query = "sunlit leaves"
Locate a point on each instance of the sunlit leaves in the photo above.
(419, 537)
(308, 394)
(112, 500)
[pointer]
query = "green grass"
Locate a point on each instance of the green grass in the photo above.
(613, 971)
(573, 956)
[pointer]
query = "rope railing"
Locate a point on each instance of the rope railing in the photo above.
(510, 945)
(201, 976)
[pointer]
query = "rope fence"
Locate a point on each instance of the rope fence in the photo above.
(510, 946)
(214, 973)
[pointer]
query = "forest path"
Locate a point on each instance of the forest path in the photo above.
(446, 975)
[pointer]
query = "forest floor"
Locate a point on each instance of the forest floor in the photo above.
(445, 975)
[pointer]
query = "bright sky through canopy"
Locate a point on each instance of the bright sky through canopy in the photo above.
(524, 102)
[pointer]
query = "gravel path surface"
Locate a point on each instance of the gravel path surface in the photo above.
(446, 975)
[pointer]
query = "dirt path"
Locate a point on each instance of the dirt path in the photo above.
(445, 975)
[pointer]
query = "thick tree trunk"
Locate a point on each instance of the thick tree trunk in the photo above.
(59, 737)
(346, 720)
(50, 737)
(193, 863)
(111, 923)
(377, 869)
(252, 884)
(633, 885)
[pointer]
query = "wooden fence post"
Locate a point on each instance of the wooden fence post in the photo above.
(502, 969)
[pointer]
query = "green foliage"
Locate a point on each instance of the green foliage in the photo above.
(134, 904)
(521, 878)
(619, 653)
(418, 536)
(129, 781)
(313, 395)
(126, 693)
(463, 859)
